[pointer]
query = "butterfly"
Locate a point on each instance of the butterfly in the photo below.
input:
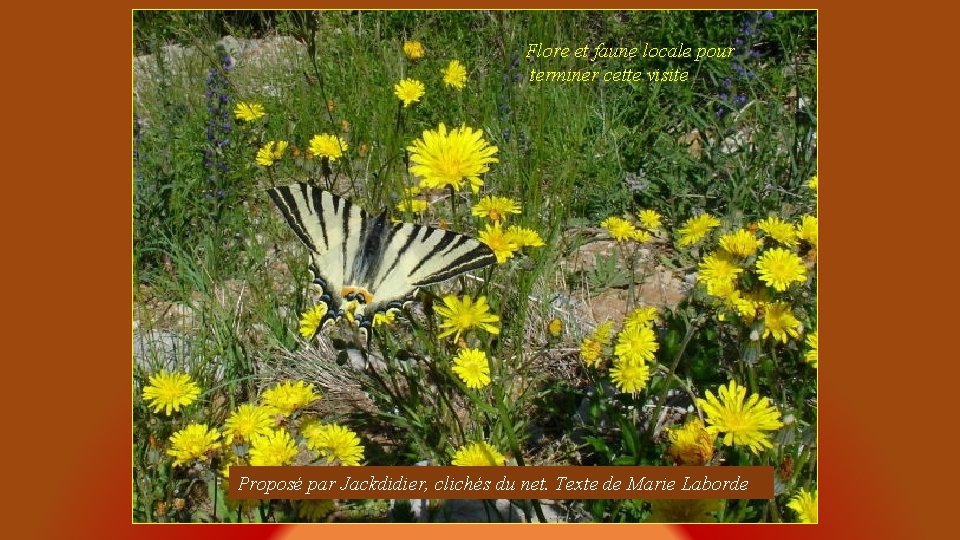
(365, 265)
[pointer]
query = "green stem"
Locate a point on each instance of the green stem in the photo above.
(514, 444)
(691, 330)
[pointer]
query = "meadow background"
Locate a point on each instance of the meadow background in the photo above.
(581, 370)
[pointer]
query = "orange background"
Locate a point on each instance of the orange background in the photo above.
(68, 280)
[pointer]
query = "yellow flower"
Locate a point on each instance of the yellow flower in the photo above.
(170, 391)
(650, 219)
(314, 509)
(813, 183)
(248, 112)
(247, 420)
(807, 229)
(455, 75)
(414, 206)
(271, 152)
(329, 146)
(590, 351)
(684, 510)
(331, 105)
(812, 355)
(742, 243)
(629, 374)
(640, 317)
(272, 447)
(478, 454)
(409, 91)
(310, 321)
(620, 229)
(691, 444)
(288, 396)
(502, 245)
(778, 321)
(449, 159)
(636, 343)
(780, 267)
(641, 236)
(461, 315)
(524, 237)
(804, 503)
(413, 49)
(472, 367)
(718, 272)
(193, 442)
(604, 332)
(345, 126)
(779, 230)
(742, 423)
(334, 443)
(696, 228)
(495, 208)
(555, 327)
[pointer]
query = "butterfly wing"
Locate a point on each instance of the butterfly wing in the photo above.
(330, 227)
(349, 251)
(417, 255)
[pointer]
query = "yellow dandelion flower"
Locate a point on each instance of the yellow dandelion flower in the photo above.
(590, 351)
(555, 327)
(650, 219)
(479, 454)
(691, 444)
(272, 447)
(495, 208)
(344, 126)
(718, 273)
(288, 396)
(780, 267)
(779, 230)
(442, 158)
(637, 343)
(170, 391)
(643, 316)
(813, 183)
(247, 420)
(696, 228)
(335, 443)
(414, 206)
(248, 112)
(741, 423)
(193, 442)
(311, 320)
(641, 236)
(684, 510)
(502, 245)
(413, 49)
(778, 321)
(329, 146)
(473, 368)
(314, 510)
(409, 91)
(804, 503)
(620, 229)
(463, 314)
(629, 374)
(271, 152)
(524, 237)
(807, 230)
(455, 75)
(604, 332)
(812, 355)
(331, 105)
(742, 243)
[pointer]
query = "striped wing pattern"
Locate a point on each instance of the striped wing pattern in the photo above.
(349, 249)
